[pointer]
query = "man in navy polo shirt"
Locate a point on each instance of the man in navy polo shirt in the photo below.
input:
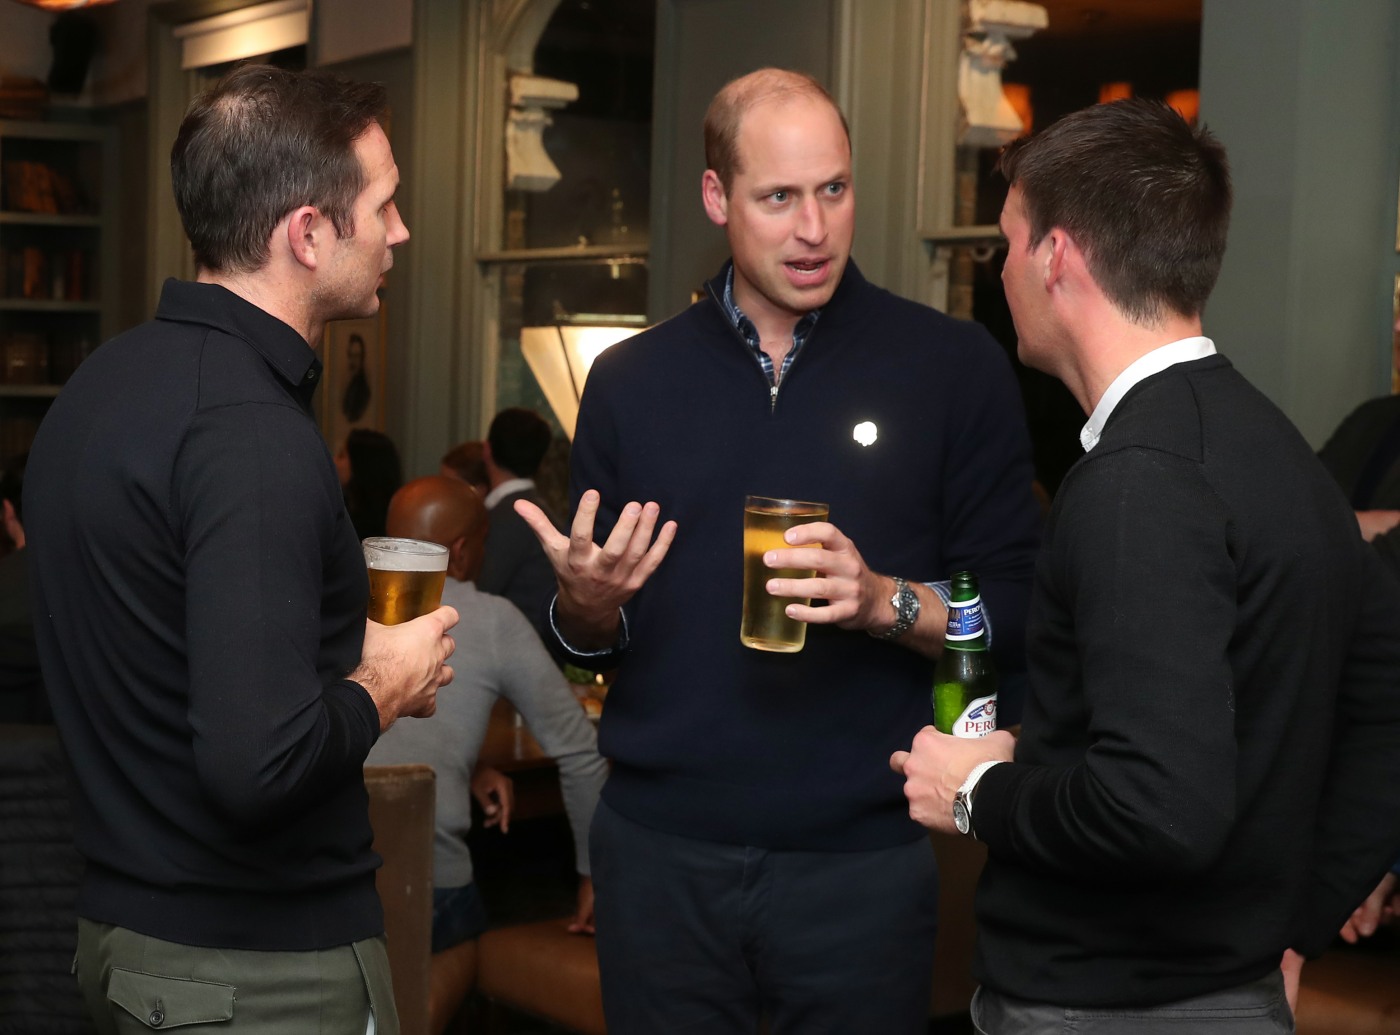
(201, 593)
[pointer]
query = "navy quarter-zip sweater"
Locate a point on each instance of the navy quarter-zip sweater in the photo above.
(709, 738)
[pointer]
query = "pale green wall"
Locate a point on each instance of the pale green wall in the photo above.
(1306, 97)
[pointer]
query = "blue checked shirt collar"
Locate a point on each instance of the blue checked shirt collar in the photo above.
(749, 332)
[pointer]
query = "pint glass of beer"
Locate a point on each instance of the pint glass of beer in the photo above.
(405, 578)
(764, 625)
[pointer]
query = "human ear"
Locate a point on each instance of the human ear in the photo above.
(303, 227)
(716, 200)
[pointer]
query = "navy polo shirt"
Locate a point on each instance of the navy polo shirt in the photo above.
(199, 600)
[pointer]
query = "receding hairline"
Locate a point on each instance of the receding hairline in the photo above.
(725, 116)
(766, 84)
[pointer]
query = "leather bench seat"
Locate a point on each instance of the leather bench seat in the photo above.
(1349, 992)
(541, 969)
(452, 978)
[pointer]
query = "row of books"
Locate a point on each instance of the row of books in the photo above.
(27, 358)
(22, 97)
(39, 187)
(39, 274)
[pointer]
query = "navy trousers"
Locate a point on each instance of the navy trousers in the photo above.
(695, 936)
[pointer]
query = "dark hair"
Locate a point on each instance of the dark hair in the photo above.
(12, 484)
(726, 112)
(262, 142)
(519, 439)
(466, 461)
(1145, 196)
(375, 475)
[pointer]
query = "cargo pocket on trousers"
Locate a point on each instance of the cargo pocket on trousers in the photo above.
(169, 1002)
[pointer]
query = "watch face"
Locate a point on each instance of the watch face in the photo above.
(961, 820)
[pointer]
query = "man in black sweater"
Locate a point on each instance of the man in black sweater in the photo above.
(200, 593)
(752, 854)
(1205, 779)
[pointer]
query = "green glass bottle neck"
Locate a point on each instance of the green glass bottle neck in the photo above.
(963, 588)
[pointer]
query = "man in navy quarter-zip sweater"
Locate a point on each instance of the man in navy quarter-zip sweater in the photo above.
(752, 854)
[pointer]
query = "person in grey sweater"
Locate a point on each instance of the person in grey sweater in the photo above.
(498, 654)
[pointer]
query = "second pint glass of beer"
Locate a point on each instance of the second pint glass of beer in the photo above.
(765, 626)
(406, 577)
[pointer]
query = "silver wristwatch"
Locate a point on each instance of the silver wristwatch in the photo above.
(906, 609)
(962, 801)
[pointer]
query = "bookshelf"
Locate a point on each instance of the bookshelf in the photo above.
(58, 197)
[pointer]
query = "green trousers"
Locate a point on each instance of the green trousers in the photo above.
(134, 983)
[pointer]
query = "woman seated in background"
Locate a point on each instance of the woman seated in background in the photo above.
(368, 464)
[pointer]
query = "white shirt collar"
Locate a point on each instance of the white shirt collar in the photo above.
(1154, 362)
(507, 488)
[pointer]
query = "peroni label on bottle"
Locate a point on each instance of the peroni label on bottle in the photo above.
(964, 619)
(978, 719)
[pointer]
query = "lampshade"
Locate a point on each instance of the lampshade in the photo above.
(560, 357)
(1018, 95)
(1110, 92)
(1187, 103)
(64, 5)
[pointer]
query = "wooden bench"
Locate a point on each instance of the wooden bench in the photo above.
(401, 800)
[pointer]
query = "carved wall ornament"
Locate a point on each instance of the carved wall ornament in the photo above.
(989, 120)
(528, 166)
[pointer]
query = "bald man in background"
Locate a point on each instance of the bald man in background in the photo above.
(498, 654)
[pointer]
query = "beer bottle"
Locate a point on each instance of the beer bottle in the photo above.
(964, 681)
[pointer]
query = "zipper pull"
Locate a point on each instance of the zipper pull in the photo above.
(773, 398)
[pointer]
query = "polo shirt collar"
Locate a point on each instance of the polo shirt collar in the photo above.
(215, 306)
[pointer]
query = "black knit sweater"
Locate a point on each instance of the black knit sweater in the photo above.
(1208, 766)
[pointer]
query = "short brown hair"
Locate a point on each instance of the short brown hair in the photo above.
(726, 113)
(262, 142)
(1146, 197)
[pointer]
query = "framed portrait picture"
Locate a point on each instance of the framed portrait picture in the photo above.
(1395, 339)
(353, 383)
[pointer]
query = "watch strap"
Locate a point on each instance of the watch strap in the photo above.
(906, 609)
(967, 792)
